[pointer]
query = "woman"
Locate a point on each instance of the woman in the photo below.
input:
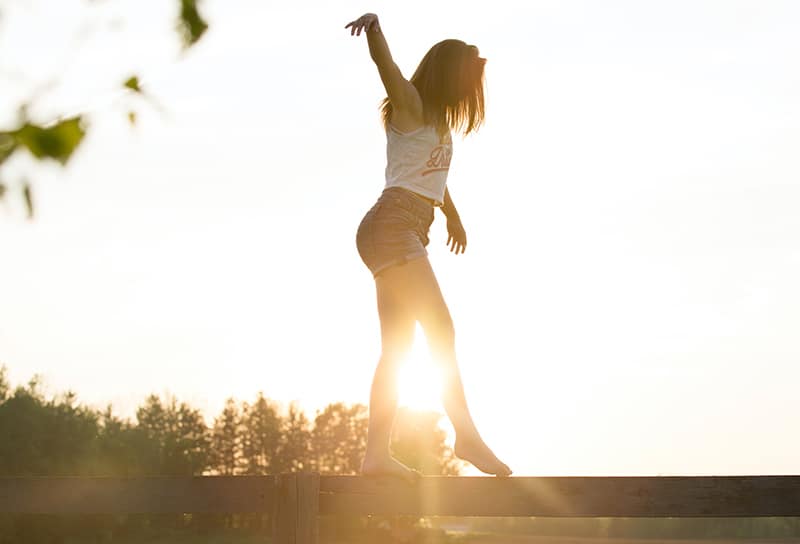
(445, 93)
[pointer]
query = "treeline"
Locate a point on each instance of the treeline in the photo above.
(59, 436)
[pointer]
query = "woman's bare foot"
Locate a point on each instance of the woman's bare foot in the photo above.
(475, 450)
(388, 466)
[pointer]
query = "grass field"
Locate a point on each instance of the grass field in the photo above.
(523, 539)
(473, 538)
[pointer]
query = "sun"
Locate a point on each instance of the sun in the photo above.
(420, 380)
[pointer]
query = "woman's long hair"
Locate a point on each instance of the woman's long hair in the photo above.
(449, 80)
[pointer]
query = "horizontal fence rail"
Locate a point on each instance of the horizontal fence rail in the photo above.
(296, 499)
(657, 496)
(140, 495)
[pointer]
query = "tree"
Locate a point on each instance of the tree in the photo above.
(46, 438)
(339, 438)
(57, 139)
(117, 451)
(177, 438)
(226, 440)
(294, 453)
(261, 436)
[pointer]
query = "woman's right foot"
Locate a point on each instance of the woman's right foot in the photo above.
(475, 450)
(388, 466)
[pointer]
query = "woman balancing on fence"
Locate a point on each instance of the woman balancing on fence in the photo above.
(444, 94)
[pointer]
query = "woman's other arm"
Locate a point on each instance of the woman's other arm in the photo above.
(456, 235)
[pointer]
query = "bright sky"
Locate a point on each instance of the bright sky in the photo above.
(628, 303)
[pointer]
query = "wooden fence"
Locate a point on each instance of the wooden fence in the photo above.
(296, 499)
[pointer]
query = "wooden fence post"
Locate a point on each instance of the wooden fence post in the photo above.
(307, 508)
(296, 508)
(285, 508)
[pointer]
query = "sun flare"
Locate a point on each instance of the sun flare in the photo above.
(420, 380)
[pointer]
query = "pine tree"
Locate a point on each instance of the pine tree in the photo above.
(261, 435)
(339, 438)
(226, 438)
(178, 434)
(294, 453)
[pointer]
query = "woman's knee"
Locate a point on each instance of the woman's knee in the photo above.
(393, 356)
(440, 331)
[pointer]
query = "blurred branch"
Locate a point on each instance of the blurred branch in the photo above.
(60, 140)
(26, 193)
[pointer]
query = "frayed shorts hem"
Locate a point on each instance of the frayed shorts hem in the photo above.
(399, 262)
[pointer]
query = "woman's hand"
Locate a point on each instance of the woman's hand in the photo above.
(367, 22)
(456, 235)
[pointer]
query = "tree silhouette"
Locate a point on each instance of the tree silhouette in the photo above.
(176, 436)
(339, 438)
(34, 429)
(294, 453)
(118, 453)
(261, 425)
(226, 440)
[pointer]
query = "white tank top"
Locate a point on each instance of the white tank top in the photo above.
(418, 161)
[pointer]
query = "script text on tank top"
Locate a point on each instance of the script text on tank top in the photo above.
(439, 159)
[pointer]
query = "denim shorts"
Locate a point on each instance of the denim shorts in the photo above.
(394, 230)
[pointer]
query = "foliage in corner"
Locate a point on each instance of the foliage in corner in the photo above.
(60, 140)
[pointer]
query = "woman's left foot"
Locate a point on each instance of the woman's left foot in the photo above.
(388, 466)
(476, 451)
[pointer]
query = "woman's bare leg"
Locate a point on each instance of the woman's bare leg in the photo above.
(397, 335)
(416, 283)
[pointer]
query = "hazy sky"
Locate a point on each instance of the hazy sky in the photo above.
(628, 303)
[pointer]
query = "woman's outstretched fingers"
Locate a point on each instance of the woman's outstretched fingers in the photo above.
(456, 235)
(366, 22)
(456, 246)
(353, 25)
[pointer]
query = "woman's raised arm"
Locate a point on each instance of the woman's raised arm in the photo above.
(401, 93)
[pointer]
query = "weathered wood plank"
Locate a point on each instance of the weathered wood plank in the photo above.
(79, 495)
(716, 496)
(286, 509)
(672, 496)
(307, 508)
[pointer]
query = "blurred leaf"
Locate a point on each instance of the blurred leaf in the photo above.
(2, 190)
(133, 84)
(191, 24)
(26, 192)
(7, 145)
(57, 142)
(132, 117)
